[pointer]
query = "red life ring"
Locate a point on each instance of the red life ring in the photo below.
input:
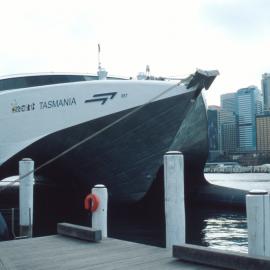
(91, 206)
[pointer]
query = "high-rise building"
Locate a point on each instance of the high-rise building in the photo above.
(229, 132)
(213, 127)
(228, 102)
(263, 134)
(214, 136)
(266, 91)
(228, 123)
(249, 104)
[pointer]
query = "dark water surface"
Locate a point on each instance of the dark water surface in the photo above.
(227, 230)
(222, 229)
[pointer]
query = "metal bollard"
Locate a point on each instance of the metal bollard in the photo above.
(174, 198)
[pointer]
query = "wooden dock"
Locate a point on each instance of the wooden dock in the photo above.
(60, 252)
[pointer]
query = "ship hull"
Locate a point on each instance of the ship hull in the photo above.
(109, 132)
(126, 157)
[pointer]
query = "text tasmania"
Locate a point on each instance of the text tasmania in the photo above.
(57, 103)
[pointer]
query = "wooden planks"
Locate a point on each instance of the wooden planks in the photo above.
(59, 252)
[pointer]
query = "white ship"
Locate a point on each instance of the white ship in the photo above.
(43, 115)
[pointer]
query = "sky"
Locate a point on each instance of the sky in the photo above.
(173, 37)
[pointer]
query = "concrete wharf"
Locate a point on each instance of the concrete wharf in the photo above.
(60, 252)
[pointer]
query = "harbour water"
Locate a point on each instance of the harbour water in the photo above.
(222, 228)
(227, 230)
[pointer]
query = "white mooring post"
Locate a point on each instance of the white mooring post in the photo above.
(174, 198)
(26, 196)
(258, 221)
(99, 217)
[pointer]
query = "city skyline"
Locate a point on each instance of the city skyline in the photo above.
(260, 87)
(239, 128)
(264, 89)
(173, 38)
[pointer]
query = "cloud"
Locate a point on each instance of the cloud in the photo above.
(174, 37)
(65, 34)
(240, 19)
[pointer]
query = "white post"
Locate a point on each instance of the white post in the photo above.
(174, 198)
(258, 220)
(26, 167)
(99, 217)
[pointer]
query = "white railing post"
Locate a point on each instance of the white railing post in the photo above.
(99, 217)
(258, 220)
(174, 192)
(26, 168)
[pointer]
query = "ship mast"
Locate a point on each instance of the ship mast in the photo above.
(102, 73)
(99, 64)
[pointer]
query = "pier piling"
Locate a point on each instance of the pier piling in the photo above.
(174, 198)
(99, 217)
(258, 220)
(26, 168)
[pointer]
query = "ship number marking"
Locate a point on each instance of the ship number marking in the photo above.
(101, 97)
(15, 108)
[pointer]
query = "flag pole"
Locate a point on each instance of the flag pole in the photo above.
(99, 64)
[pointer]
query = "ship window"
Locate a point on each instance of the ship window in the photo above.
(90, 78)
(13, 83)
(31, 81)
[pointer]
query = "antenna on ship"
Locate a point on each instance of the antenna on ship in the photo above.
(144, 75)
(147, 71)
(99, 64)
(102, 73)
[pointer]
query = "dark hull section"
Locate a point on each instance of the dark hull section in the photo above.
(192, 141)
(126, 157)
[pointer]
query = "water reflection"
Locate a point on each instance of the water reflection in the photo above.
(222, 229)
(226, 232)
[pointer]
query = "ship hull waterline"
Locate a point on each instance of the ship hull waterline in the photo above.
(131, 160)
(125, 158)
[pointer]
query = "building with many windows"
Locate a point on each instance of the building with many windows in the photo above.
(228, 102)
(213, 122)
(213, 131)
(263, 134)
(228, 123)
(249, 104)
(229, 132)
(240, 127)
(266, 91)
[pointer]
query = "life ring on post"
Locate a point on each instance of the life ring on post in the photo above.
(91, 202)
